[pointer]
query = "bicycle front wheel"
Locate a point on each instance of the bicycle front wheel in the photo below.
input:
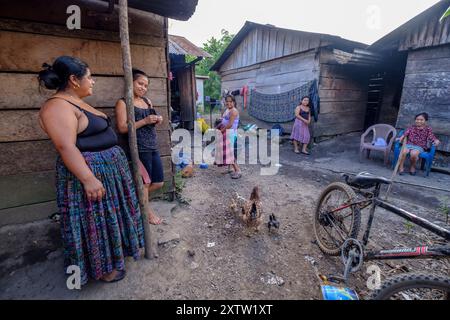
(414, 286)
(335, 218)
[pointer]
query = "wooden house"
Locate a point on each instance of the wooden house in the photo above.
(416, 73)
(33, 32)
(273, 61)
(183, 82)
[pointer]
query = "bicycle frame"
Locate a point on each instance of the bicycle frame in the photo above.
(377, 202)
(372, 199)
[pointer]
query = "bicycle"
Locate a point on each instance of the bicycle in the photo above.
(337, 221)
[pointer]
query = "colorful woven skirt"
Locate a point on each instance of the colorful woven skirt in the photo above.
(97, 236)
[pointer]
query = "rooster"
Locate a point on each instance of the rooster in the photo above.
(249, 211)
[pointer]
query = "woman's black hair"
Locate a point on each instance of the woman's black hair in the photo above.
(232, 98)
(308, 99)
(137, 73)
(423, 114)
(57, 76)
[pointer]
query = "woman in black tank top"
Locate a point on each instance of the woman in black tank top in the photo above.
(146, 119)
(100, 219)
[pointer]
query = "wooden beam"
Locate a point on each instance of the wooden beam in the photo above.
(24, 52)
(84, 33)
(107, 90)
(23, 125)
(93, 15)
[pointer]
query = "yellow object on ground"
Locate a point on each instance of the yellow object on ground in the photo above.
(203, 125)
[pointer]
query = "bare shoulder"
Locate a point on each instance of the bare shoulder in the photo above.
(234, 112)
(148, 101)
(120, 103)
(57, 107)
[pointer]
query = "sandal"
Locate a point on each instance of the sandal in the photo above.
(305, 153)
(296, 151)
(401, 173)
(413, 173)
(236, 175)
(120, 275)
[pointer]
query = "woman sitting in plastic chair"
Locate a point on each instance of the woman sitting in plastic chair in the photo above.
(418, 137)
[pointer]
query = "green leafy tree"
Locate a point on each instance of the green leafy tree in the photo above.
(215, 48)
(445, 15)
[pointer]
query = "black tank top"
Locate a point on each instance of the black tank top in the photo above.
(146, 135)
(98, 134)
(304, 114)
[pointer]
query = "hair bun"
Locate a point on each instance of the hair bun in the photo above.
(49, 78)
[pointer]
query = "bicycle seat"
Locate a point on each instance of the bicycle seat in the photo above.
(365, 180)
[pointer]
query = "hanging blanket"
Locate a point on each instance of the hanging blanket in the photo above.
(281, 107)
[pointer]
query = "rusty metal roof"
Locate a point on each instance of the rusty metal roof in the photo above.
(175, 9)
(424, 30)
(182, 46)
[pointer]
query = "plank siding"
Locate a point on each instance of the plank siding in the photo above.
(275, 76)
(262, 44)
(31, 37)
(287, 60)
(38, 187)
(343, 94)
(26, 52)
(426, 88)
(106, 91)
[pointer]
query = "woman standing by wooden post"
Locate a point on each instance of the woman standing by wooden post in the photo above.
(101, 223)
(126, 58)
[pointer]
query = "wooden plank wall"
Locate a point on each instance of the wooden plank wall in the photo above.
(263, 44)
(427, 88)
(27, 157)
(389, 111)
(343, 97)
(275, 76)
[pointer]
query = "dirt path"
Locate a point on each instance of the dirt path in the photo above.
(204, 253)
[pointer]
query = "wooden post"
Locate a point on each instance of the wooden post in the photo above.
(132, 140)
(396, 167)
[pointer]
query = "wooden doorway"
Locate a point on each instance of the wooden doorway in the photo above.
(188, 90)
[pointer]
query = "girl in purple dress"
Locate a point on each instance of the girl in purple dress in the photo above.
(300, 132)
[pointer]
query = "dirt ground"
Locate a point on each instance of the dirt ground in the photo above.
(205, 253)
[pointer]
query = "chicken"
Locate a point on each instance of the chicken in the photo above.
(273, 222)
(248, 211)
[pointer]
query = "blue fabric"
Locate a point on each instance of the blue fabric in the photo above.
(414, 147)
(314, 100)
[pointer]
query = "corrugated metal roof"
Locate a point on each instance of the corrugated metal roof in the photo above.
(325, 40)
(359, 57)
(175, 9)
(182, 46)
(424, 30)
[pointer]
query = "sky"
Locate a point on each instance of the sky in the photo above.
(360, 20)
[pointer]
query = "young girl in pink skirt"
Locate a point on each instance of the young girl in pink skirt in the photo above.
(300, 131)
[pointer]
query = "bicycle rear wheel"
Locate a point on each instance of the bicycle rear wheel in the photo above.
(331, 226)
(414, 286)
